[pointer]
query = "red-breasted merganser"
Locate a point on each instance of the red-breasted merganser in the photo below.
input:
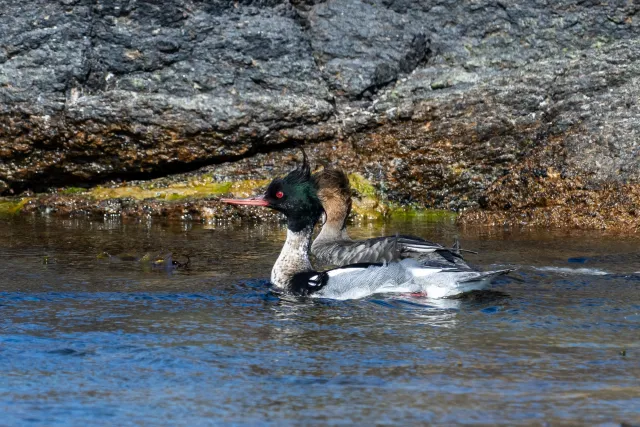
(333, 246)
(296, 196)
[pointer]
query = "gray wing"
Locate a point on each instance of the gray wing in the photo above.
(353, 252)
(391, 248)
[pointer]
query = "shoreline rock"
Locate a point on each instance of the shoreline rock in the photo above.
(195, 196)
(438, 105)
(534, 196)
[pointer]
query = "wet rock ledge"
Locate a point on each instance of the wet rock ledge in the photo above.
(510, 112)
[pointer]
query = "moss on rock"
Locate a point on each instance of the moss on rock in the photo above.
(179, 191)
(12, 206)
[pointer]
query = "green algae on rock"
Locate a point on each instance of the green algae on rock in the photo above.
(178, 191)
(362, 186)
(12, 206)
(195, 197)
(370, 204)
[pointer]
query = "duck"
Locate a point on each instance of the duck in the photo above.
(296, 196)
(333, 246)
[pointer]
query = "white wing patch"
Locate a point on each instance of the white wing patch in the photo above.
(419, 248)
(339, 271)
(419, 272)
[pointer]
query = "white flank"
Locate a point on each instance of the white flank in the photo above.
(402, 277)
(339, 271)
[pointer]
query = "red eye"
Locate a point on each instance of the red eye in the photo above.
(279, 194)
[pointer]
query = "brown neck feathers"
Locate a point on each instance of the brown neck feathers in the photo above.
(334, 192)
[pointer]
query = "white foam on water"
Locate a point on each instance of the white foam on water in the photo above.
(568, 270)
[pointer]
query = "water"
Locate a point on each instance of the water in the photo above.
(88, 338)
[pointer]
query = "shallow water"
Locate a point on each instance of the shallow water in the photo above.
(91, 334)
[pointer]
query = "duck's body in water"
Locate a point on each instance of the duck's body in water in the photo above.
(333, 246)
(296, 196)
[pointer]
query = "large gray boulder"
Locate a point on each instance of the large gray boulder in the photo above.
(440, 99)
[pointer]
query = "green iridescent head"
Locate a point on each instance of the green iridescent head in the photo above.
(296, 196)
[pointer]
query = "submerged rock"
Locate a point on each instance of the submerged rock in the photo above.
(488, 107)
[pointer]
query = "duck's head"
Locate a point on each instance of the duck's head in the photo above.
(334, 193)
(295, 195)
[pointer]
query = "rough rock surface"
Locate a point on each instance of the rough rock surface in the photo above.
(443, 103)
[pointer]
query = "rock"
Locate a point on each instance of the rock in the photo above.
(441, 103)
(96, 90)
(463, 138)
(190, 210)
(362, 47)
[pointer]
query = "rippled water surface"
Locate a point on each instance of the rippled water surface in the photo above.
(97, 329)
